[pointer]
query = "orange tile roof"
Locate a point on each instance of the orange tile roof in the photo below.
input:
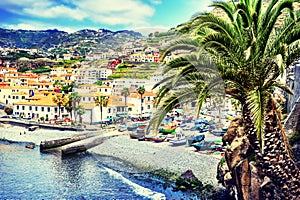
(42, 101)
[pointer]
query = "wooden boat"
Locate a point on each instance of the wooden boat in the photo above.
(160, 138)
(138, 134)
(33, 128)
(218, 132)
(166, 131)
(122, 128)
(179, 139)
(132, 127)
(194, 139)
(30, 146)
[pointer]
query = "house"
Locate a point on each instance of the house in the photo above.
(40, 106)
(12, 94)
(138, 109)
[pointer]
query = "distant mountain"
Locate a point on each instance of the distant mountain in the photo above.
(46, 39)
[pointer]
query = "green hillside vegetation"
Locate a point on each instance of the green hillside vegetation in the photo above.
(42, 69)
(131, 71)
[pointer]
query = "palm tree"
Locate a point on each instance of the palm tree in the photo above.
(75, 100)
(80, 111)
(125, 92)
(60, 99)
(250, 50)
(101, 101)
(141, 90)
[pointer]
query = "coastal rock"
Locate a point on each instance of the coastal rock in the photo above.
(188, 175)
(234, 129)
(237, 152)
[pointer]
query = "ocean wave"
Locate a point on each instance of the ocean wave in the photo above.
(142, 191)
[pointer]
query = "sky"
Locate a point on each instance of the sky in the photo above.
(144, 16)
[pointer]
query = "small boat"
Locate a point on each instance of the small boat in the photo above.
(179, 139)
(166, 131)
(122, 128)
(32, 128)
(30, 146)
(132, 127)
(218, 132)
(160, 138)
(138, 134)
(194, 139)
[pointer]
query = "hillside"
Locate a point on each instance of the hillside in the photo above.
(101, 39)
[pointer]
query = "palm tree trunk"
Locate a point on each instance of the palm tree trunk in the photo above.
(91, 116)
(101, 115)
(59, 111)
(141, 107)
(279, 166)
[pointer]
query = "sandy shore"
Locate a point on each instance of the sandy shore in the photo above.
(144, 155)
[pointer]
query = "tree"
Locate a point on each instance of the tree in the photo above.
(60, 99)
(101, 101)
(73, 101)
(250, 49)
(141, 90)
(80, 111)
(99, 82)
(125, 92)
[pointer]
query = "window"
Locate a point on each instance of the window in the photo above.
(148, 98)
(17, 97)
(13, 97)
(129, 109)
(148, 107)
(30, 107)
(83, 98)
(23, 107)
(17, 107)
(108, 110)
(36, 108)
(23, 97)
(48, 109)
(55, 109)
(42, 109)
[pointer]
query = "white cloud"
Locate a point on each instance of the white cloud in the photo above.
(30, 25)
(110, 12)
(156, 1)
(56, 12)
(147, 30)
(113, 12)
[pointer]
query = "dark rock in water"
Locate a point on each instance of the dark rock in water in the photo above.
(188, 175)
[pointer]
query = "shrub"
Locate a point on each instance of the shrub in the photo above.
(8, 111)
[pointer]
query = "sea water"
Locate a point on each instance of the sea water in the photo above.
(29, 174)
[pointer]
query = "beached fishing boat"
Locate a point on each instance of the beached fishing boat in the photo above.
(218, 132)
(194, 139)
(32, 128)
(159, 138)
(179, 139)
(132, 127)
(122, 128)
(166, 131)
(30, 146)
(138, 133)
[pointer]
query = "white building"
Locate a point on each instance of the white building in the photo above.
(39, 107)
